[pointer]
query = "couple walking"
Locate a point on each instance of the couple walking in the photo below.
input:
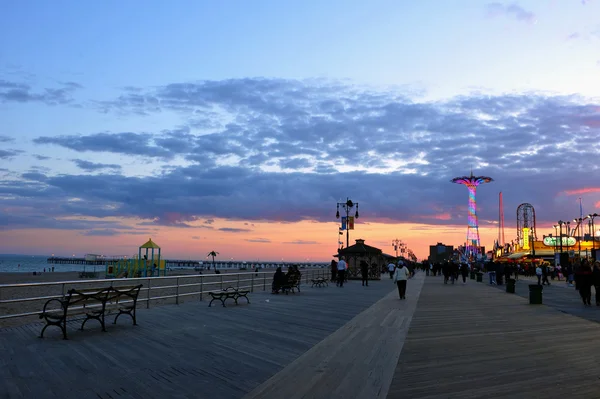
(400, 277)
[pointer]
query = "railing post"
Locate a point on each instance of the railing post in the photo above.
(265, 282)
(221, 281)
(64, 287)
(252, 283)
(201, 286)
(238, 281)
(148, 296)
(177, 292)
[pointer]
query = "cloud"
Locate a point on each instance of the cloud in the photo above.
(6, 139)
(120, 143)
(289, 150)
(301, 242)
(233, 230)
(24, 93)
(259, 240)
(102, 233)
(195, 237)
(91, 166)
(511, 10)
(41, 157)
(9, 154)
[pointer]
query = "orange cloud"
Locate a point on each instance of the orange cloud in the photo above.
(580, 191)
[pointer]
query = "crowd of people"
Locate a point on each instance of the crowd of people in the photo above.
(280, 279)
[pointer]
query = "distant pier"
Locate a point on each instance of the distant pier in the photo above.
(178, 263)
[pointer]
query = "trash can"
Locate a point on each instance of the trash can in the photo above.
(535, 294)
(510, 285)
(472, 275)
(479, 277)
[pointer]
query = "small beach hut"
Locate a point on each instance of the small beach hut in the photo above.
(149, 254)
(374, 257)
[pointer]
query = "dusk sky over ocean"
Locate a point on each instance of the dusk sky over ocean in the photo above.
(237, 126)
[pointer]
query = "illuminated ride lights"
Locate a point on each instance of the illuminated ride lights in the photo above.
(473, 245)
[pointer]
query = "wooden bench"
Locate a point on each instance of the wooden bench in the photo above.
(93, 303)
(229, 292)
(292, 284)
(319, 282)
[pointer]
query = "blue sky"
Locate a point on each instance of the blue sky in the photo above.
(258, 86)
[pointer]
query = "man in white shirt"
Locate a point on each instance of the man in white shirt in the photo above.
(341, 272)
(391, 268)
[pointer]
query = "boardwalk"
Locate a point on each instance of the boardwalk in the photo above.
(444, 341)
(475, 341)
(186, 351)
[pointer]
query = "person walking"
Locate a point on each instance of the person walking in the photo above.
(364, 272)
(391, 268)
(333, 270)
(584, 281)
(538, 273)
(341, 272)
(545, 274)
(464, 271)
(596, 281)
(400, 277)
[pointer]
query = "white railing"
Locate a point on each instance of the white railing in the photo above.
(13, 305)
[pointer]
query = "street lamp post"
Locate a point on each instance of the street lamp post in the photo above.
(347, 206)
(560, 224)
(396, 243)
(555, 241)
(592, 216)
(579, 221)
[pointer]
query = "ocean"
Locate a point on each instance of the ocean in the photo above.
(37, 263)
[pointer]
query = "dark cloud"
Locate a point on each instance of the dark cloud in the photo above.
(92, 166)
(41, 157)
(121, 143)
(8, 154)
(6, 139)
(24, 93)
(102, 233)
(259, 240)
(234, 230)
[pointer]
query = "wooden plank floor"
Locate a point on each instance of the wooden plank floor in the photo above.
(475, 341)
(561, 297)
(185, 351)
(357, 361)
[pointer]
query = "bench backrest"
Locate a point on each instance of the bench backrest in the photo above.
(87, 297)
(128, 292)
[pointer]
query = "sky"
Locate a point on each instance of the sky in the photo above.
(238, 126)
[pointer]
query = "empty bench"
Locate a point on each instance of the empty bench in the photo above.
(228, 293)
(319, 282)
(93, 304)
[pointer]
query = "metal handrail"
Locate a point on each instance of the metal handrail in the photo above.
(257, 281)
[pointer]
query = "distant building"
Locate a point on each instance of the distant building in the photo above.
(440, 252)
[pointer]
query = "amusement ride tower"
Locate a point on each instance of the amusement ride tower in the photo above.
(473, 245)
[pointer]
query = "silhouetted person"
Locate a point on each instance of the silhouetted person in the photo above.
(401, 275)
(279, 280)
(333, 270)
(341, 272)
(545, 275)
(584, 281)
(596, 281)
(364, 272)
(464, 272)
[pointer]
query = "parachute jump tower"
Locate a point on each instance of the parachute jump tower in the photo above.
(473, 245)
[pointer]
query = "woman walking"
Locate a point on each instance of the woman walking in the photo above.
(400, 277)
